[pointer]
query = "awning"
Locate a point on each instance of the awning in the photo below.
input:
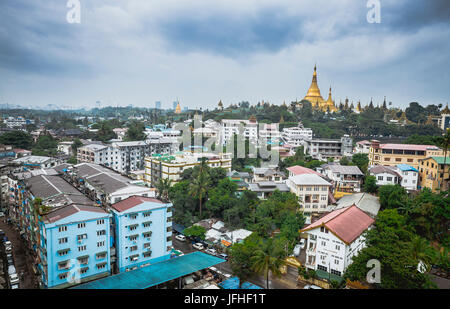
(226, 243)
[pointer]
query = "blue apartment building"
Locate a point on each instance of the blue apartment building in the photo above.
(143, 232)
(74, 245)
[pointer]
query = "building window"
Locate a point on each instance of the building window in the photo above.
(133, 237)
(338, 247)
(62, 229)
(63, 252)
(324, 243)
(101, 221)
(147, 254)
(147, 214)
(101, 255)
(82, 248)
(336, 262)
(100, 243)
(133, 216)
(147, 224)
(84, 270)
(82, 236)
(101, 265)
(101, 232)
(133, 227)
(81, 225)
(63, 276)
(133, 248)
(62, 240)
(83, 259)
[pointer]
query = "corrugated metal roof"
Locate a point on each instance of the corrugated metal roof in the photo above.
(133, 201)
(157, 273)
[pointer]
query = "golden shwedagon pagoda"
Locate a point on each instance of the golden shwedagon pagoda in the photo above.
(316, 99)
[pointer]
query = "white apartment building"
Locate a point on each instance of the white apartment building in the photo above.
(402, 174)
(335, 238)
(362, 147)
(171, 167)
(229, 127)
(385, 175)
(296, 136)
(270, 133)
(344, 178)
(14, 122)
(312, 192)
(126, 157)
(322, 149)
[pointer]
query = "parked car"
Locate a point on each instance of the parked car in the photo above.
(14, 279)
(198, 246)
(211, 251)
(223, 256)
(302, 243)
(1, 214)
(180, 237)
(11, 270)
(7, 244)
(313, 287)
(10, 261)
(15, 286)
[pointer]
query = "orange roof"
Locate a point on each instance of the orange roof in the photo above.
(226, 243)
(346, 223)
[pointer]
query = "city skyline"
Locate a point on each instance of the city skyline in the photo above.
(132, 53)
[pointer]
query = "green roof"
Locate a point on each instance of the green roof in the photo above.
(157, 273)
(440, 160)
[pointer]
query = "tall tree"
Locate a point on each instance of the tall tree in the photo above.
(199, 188)
(269, 257)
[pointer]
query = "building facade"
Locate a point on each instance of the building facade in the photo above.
(393, 154)
(433, 174)
(143, 230)
(335, 238)
(74, 246)
(323, 149)
(171, 167)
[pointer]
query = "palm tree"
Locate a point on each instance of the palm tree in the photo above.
(421, 250)
(199, 187)
(163, 187)
(268, 258)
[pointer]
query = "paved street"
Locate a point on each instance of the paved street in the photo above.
(286, 282)
(22, 261)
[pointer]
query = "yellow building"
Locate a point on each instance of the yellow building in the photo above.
(313, 95)
(433, 174)
(393, 154)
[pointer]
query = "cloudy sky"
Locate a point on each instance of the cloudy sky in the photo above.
(200, 51)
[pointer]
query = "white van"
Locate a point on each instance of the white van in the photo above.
(11, 270)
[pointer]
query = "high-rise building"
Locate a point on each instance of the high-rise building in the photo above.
(158, 104)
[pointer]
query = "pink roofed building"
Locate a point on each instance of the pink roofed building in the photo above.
(335, 238)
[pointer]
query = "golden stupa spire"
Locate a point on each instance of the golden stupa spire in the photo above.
(313, 95)
(178, 109)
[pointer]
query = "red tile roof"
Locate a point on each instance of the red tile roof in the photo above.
(132, 201)
(346, 223)
(299, 170)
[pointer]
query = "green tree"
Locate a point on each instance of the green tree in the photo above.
(361, 160)
(195, 231)
(392, 196)
(390, 242)
(17, 139)
(135, 131)
(269, 257)
(46, 145)
(163, 187)
(199, 188)
(240, 258)
(370, 184)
